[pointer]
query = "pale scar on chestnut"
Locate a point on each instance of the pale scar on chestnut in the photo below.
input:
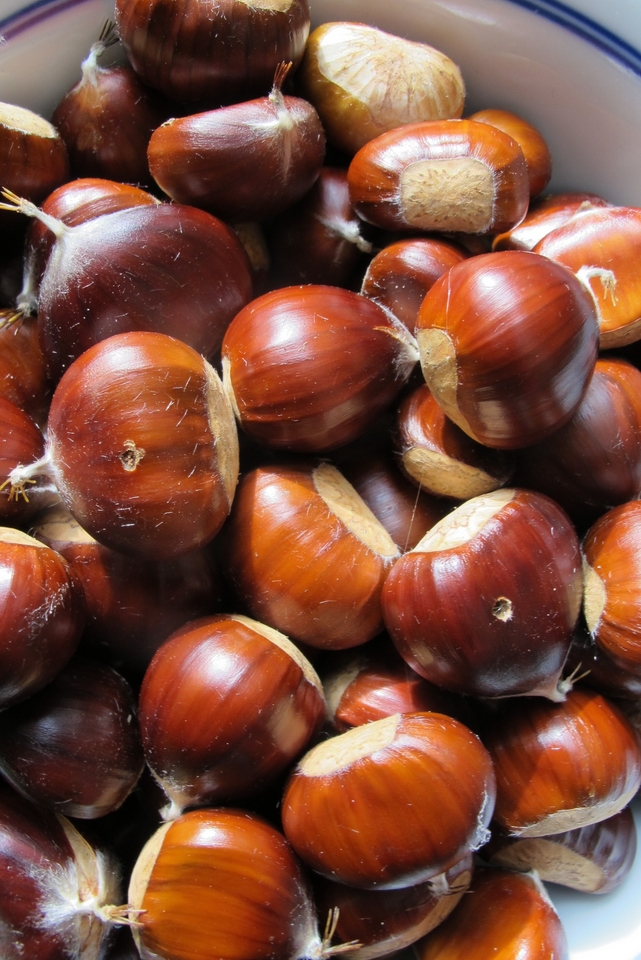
(502, 608)
(131, 455)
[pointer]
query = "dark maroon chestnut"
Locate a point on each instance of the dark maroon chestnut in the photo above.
(74, 747)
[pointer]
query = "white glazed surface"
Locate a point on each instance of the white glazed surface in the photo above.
(578, 80)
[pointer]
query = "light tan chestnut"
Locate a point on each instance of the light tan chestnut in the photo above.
(226, 705)
(221, 883)
(601, 246)
(594, 859)
(391, 803)
(307, 556)
(504, 914)
(612, 604)
(487, 602)
(508, 343)
(560, 766)
(446, 175)
(364, 82)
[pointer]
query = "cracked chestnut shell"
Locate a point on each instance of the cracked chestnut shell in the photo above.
(390, 803)
(487, 602)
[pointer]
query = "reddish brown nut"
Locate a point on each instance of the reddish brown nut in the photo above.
(307, 368)
(594, 859)
(223, 51)
(560, 766)
(21, 441)
(33, 156)
(133, 605)
(504, 914)
(593, 463)
(42, 610)
(508, 343)
(436, 454)
(223, 883)
(531, 141)
(226, 706)
(74, 747)
(23, 372)
(487, 602)
(342, 804)
(381, 922)
(364, 82)
(107, 117)
(142, 446)
(399, 275)
(612, 571)
(319, 239)
(448, 175)
(544, 215)
(307, 556)
(601, 246)
(246, 161)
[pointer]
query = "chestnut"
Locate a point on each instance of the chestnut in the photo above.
(560, 766)
(74, 747)
(544, 215)
(508, 343)
(142, 445)
(504, 914)
(439, 457)
(222, 51)
(444, 175)
(531, 141)
(21, 441)
(226, 706)
(42, 609)
(306, 555)
(487, 602)
(390, 803)
(364, 82)
(23, 371)
(308, 368)
(224, 883)
(245, 161)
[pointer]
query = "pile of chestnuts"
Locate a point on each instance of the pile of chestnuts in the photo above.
(320, 479)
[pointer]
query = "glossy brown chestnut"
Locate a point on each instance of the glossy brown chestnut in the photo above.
(381, 922)
(133, 605)
(560, 766)
(504, 914)
(544, 215)
(164, 267)
(374, 681)
(21, 441)
(447, 175)
(42, 612)
(226, 705)
(391, 803)
(224, 883)
(23, 371)
(508, 343)
(74, 747)
(439, 457)
(142, 445)
(107, 118)
(399, 275)
(601, 247)
(364, 82)
(245, 161)
(594, 859)
(594, 461)
(308, 368)
(223, 51)
(58, 894)
(33, 156)
(319, 239)
(307, 556)
(531, 141)
(612, 570)
(487, 602)
(599, 671)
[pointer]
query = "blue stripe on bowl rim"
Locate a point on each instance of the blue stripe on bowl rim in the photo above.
(558, 13)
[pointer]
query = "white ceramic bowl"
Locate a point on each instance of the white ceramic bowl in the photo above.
(573, 69)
